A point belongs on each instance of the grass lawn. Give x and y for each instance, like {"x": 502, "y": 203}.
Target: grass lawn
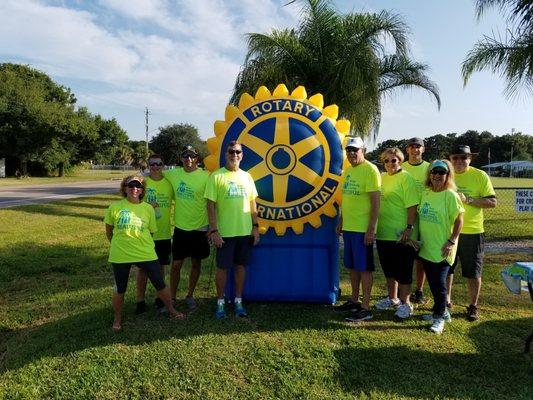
{"x": 56, "y": 341}
{"x": 75, "y": 176}
{"x": 498, "y": 182}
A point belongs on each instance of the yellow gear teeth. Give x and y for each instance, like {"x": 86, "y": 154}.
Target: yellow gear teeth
{"x": 262, "y": 93}
{"x": 299, "y": 93}
{"x": 273, "y": 116}
{"x": 331, "y": 111}
{"x": 211, "y": 162}
{"x": 212, "y": 144}
{"x": 281, "y": 91}
{"x": 220, "y": 128}
{"x": 343, "y": 126}
{"x": 317, "y": 100}
{"x": 231, "y": 113}
{"x": 245, "y": 101}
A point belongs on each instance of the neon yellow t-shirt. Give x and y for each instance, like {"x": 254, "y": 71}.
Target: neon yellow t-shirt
{"x": 232, "y": 191}
{"x": 189, "y": 188}
{"x": 419, "y": 172}
{"x": 437, "y": 213}
{"x": 160, "y": 192}
{"x": 474, "y": 183}
{"x": 133, "y": 225}
{"x": 398, "y": 193}
{"x": 358, "y": 182}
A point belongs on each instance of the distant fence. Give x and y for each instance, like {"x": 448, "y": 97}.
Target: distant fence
{"x": 510, "y": 224}
{"x": 99, "y": 167}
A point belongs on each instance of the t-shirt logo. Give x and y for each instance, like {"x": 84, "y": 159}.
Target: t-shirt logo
{"x": 235, "y": 190}
{"x": 184, "y": 192}
{"x": 351, "y": 187}
{"x": 151, "y": 195}
{"x": 428, "y": 213}
{"x": 124, "y": 218}
{"x": 128, "y": 220}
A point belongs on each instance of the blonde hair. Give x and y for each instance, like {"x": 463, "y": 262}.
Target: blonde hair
{"x": 394, "y": 151}
{"x": 128, "y": 178}
{"x": 450, "y": 177}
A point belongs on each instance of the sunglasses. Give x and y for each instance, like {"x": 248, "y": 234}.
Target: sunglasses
{"x": 391, "y": 161}
{"x": 233, "y": 152}
{"x": 135, "y": 184}
{"x": 439, "y": 172}
{"x": 156, "y": 164}
{"x": 460, "y": 158}
{"x": 191, "y": 156}
{"x": 352, "y": 150}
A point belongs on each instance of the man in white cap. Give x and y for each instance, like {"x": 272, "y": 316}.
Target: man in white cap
{"x": 418, "y": 168}
{"x": 359, "y": 215}
{"x": 476, "y": 192}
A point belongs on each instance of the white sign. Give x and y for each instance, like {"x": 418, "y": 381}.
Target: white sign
{"x": 524, "y": 200}
{"x": 2, "y": 167}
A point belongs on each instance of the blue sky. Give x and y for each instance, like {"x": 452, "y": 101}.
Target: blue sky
{"x": 179, "y": 58}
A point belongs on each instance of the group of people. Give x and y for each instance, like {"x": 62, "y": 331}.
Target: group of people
{"x": 217, "y": 209}
{"x": 418, "y": 213}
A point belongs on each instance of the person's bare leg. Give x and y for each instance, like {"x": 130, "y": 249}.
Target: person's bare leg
{"x": 196, "y": 265}
{"x": 164, "y": 295}
{"x": 240, "y": 273}
{"x": 141, "y": 280}
{"x": 162, "y": 269}
{"x": 367, "y": 279}
{"x": 449, "y": 284}
{"x": 420, "y": 275}
{"x": 474, "y": 288}
{"x": 220, "y": 282}
{"x": 404, "y": 293}
{"x": 175, "y": 277}
{"x": 392, "y": 288}
{"x": 118, "y": 303}
{"x": 355, "y": 281}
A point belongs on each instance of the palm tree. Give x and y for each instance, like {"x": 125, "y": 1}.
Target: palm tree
{"x": 342, "y": 56}
{"x": 512, "y": 58}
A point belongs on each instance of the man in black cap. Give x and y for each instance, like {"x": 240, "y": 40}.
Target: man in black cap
{"x": 418, "y": 168}
{"x": 190, "y": 221}
{"x": 476, "y": 192}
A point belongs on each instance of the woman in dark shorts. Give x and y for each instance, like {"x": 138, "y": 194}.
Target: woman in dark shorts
{"x": 129, "y": 225}
{"x": 396, "y": 226}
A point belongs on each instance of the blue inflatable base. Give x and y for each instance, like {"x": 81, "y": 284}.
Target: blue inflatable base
{"x": 294, "y": 268}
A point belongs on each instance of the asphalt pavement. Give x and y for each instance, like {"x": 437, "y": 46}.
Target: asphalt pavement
{"x": 12, "y": 196}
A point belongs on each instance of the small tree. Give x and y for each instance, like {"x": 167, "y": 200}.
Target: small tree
{"x": 172, "y": 138}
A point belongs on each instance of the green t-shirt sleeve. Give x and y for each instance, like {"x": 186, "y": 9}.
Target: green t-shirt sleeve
{"x": 152, "y": 223}
{"x": 487, "y": 190}
{"x": 374, "y": 180}
{"x": 455, "y": 206}
{"x": 253, "y": 189}
{"x": 109, "y": 218}
{"x": 412, "y": 196}
{"x": 210, "y": 189}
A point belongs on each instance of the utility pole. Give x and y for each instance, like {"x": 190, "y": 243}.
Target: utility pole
{"x": 146, "y": 113}
{"x": 511, "y": 163}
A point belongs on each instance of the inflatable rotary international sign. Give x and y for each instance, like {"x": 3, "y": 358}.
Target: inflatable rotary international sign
{"x": 292, "y": 147}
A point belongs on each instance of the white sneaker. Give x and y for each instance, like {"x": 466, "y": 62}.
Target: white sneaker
{"x": 429, "y": 317}
{"x": 404, "y": 311}
{"x": 437, "y": 326}
{"x": 387, "y": 303}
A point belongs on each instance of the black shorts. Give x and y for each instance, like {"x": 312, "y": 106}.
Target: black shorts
{"x": 162, "y": 249}
{"x": 396, "y": 259}
{"x": 470, "y": 251}
{"x": 235, "y": 251}
{"x": 152, "y": 269}
{"x": 192, "y": 244}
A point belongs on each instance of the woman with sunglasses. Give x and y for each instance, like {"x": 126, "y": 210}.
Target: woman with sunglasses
{"x": 129, "y": 225}
{"x": 440, "y": 215}
{"x": 399, "y": 200}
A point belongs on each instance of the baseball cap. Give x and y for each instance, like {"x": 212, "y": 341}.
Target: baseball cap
{"x": 355, "y": 142}
{"x": 439, "y": 164}
{"x": 416, "y": 140}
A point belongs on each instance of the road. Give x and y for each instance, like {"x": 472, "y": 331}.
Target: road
{"x": 12, "y": 196}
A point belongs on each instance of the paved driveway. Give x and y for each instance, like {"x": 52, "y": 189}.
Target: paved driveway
{"x": 12, "y": 196}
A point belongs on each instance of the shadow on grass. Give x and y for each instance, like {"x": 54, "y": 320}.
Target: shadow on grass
{"x": 62, "y": 209}
{"x": 403, "y": 371}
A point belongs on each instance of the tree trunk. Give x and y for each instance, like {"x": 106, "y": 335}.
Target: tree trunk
{"x": 61, "y": 170}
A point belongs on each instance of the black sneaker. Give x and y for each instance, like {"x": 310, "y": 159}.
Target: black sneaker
{"x": 141, "y": 307}
{"x": 418, "y": 298}
{"x": 158, "y": 303}
{"x": 472, "y": 313}
{"x": 349, "y": 305}
{"x": 359, "y": 315}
